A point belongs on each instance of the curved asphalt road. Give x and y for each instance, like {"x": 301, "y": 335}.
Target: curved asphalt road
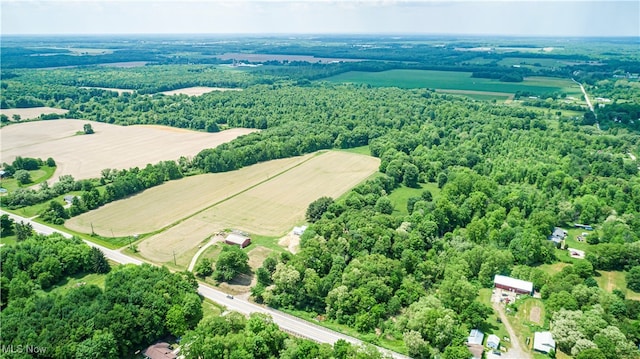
{"x": 288, "y": 323}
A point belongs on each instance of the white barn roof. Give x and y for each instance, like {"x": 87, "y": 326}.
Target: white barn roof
{"x": 513, "y": 283}
{"x": 543, "y": 342}
{"x": 236, "y": 239}
{"x": 475, "y": 337}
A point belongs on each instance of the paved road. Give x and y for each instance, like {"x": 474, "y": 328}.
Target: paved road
{"x": 286, "y": 322}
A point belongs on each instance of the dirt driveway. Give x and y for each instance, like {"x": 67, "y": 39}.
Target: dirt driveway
{"x": 516, "y": 351}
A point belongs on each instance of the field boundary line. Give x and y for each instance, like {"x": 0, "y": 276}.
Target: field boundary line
{"x": 320, "y": 153}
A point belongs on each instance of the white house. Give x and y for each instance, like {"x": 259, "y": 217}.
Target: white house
{"x": 493, "y": 341}
{"x": 475, "y": 337}
{"x": 543, "y": 342}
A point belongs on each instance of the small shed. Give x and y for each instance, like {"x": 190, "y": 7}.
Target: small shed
{"x": 237, "y": 239}
{"x": 543, "y": 342}
{"x": 298, "y": 231}
{"x": 513, "y": 285}
{"x": 493, "y": 341}
{"x": 475, "y": 337}
{"x": 159, "y": 351}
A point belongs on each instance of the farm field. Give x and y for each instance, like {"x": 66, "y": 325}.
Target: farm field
{"x": 610, "y": 280}
{"x": 31, "y": 113}
{"x": 451, "y": 80}
{"x": 111, "y": 146}
{"x": 163, "y": 205}
{"x": 270, "y": 207}
{"x": 198, "y": 90}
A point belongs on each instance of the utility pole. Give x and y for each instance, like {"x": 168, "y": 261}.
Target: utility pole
{"x": 174, "y": 258}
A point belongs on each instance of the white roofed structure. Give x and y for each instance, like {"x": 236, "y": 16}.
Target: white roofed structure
{"x": 543, "y": 342}
{"x": 512, "y": 284}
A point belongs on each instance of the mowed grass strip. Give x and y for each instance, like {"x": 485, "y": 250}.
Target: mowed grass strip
{"x": 163, "y": 205}
{"x": 454, "y": 80}
{"x": 270, "y": 208}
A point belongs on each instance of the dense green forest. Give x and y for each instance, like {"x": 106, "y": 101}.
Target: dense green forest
{"x": 488, "y": 183}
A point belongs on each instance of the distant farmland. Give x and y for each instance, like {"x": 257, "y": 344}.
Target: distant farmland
{"x": 267, "y": 199}
{"x": 452, "y": 80}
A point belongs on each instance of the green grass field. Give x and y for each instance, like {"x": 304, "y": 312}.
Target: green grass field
{"x": 615, "y": 280}
{"x": 451, "y": 80}
{"x": 78, "y": 280}
{"x": 37, "y": 176}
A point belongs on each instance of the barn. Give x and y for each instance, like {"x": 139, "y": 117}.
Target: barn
{"x": 513, "y": 285}
{"x": 238, "y": 240}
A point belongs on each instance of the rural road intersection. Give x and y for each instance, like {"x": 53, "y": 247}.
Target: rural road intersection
{"x": 287, "y": 323}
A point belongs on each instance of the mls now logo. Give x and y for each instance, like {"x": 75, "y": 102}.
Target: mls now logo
{"x": 23, "y": 349}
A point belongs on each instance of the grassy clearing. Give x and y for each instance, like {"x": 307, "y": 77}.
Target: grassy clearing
{"x": 520, "y": 319}
{"x": 266, "y": 242}
{"x": 37, "y": 176}
{"x": 615, "y": 280}
{"x": 400, "y": 196}
{"x": 552, "y": 269}
{"x": 385, "y": 342}
{"x": 257, "y": 255}
{"x": 78, "y": 280}
{"x": 452, "y": 80}
{"x": 9, "y": 240}
{"x": 211, "y": 309}
{"x": 492, "y": 326}
{"x": 362, "y": 150}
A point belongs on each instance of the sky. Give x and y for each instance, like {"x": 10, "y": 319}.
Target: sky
{"x": 457, "y": 17}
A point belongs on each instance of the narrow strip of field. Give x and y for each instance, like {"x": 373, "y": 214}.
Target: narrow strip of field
{"x": 31, "y": 113}
{"x": 455, "y": 80}
{"x": 269, "y": 208}
{"x": 198, "y": 91}
{"x": 163, "y": 205}
{"x": 119, "y": 91}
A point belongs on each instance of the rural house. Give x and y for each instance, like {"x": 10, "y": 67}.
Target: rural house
{"x": 513, "y": 284}
{"x": 237, "y": 239}
{"x": 159, "y": 351}
{"x": 543, "y": 342}
{"x": 475, "y": 337}
{"x": 493, "y": 342}
{"x": 558, "y": 235}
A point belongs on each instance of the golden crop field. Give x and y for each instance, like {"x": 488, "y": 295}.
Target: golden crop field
{"x": 269, "y": 208}
{"x": 163, "y": 205}
{"x": 111, "y": 146}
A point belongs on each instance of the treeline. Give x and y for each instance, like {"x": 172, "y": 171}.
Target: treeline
{"x": 138, "y": 306}
{"x": 117, "y": 184}
{"x": 39, "y": 262}
{"x": 235, "y": 336}
{"x": 503, "y": 76}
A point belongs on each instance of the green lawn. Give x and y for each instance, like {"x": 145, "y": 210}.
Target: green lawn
{"x": 552, "y": 269}
{"x": 211, "y": 309}
{"x": 615, "y": 280}
{"x": 37, "y": 176}
{"x": 492, "y": 326}
{"x": 401, "y": 195}
{"x": 77, "y": 280}
{"x": 454, "y": 80}
{"x": 362, "y": 150}
{"x": 8, "y": 240}
{"x": 385, "y": 342}
{"x": 265, "y": 241}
